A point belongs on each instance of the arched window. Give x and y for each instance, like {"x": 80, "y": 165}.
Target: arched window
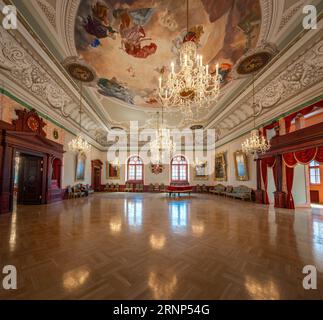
{"x": 315, "y": 174}
{"x": 135, "y": 169}
{"x": 179, "y": 169}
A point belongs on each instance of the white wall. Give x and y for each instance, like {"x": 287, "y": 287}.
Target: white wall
{"x": 299, "y": 186}
{"x": 69, "y": 163}
{"x": 164, "y": 177}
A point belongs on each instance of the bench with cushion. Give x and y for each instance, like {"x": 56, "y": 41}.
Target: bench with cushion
{"x": 172, "y": 189}
{"x": 240, "y": 192}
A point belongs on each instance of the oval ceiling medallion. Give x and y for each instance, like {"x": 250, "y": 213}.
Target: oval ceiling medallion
{"x": 254, "y": 62}
{"x": 196, "y": 127}
{"x": 79, "y": 70}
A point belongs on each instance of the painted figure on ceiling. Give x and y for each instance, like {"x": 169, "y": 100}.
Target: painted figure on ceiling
{"x": 133, "y": 34}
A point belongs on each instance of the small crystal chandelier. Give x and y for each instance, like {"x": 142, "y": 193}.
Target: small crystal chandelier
{"x": 256, "y": 143}
{"x": 191, "y": 87}
{"x": 79, "y": 144}
{"x": 162, "y": 144}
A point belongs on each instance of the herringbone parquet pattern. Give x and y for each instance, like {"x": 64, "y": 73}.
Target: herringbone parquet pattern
{"x": 146, "y": 246}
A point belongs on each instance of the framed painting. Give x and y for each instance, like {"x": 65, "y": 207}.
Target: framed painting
{"x": 80, "y": 166}
{"x": 220, "y": 167}
{"x": 241, "y": 166}
{"x": 112, "y": 171}
{"x": 200, "y": 171}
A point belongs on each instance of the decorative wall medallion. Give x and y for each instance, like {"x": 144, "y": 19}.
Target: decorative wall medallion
{"x": 32, "y": 123}
{"x": 253, "y": 63}
{"x": 79, "y": 70}
{"x": 156, "y": 168}
{"x": 55, "y": 134}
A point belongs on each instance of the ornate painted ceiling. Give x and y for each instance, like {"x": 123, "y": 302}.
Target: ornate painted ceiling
{"x": 130, "y": 42}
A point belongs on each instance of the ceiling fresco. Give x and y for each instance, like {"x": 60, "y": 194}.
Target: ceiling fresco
{"x": 130, "y": 43}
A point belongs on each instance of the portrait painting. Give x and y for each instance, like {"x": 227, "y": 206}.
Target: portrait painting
{"x": 112, "y": 171}
{"x": 241, "y": 166}
{"x": 220, "y": 167}
{"x": 80, "y": 166}
{"x": 201, "y": 171}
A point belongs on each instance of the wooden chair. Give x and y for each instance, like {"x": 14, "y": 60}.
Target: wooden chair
{"x": 116, "y": 187}
{"x": 198, "y": 188}
{"x": 127, "y": 187}
{"x": 204, "y": 188}
{"x": 151, "y": 187}
{"x": 107, "y": 186}
{"x": 156, "y": 187}
{"x": 162, "y": 187}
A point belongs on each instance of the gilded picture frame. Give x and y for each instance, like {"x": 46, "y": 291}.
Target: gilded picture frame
{"x": 220, "y": 167}
{"x": 112, "y": 171}
{"x": 241, "y": 166}
{"x": 80, "y": 167}
{"x": 201, "y": 171}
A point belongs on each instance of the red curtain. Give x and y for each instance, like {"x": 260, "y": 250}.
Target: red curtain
{"x": 265, "y": 178}
{"x": 319, "y": 155}
{"x": 305, "y": 156}
{"x": 289, "y": 185}
{"x": 289, "y": 159}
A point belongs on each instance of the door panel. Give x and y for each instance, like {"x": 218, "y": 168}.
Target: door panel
{"x": 30, "y": 180}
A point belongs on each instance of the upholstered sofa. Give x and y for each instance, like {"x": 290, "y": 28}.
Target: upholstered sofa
{"x": 240, "y": 192}
{"x": 217, "y": 189}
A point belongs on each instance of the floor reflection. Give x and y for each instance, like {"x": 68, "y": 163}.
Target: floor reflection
{"x": 133, "y": 212}
{"x": 75, "y": 278}
{"x": 157, "y": 242}
{"x": 163, "y": 287}
{"x": 259, "y": 290}
{"x": 179, "y": 214}
{"x": 13, "y": 232}
{"x": 115, "y": 224}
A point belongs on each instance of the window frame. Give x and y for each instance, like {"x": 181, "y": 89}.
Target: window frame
{"x": 179, "y": 166}
{"x": 136, "y": 165}
{"x": 314, "y": 165}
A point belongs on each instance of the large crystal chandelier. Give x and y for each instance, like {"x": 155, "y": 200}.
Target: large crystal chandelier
{"x": 79, "y": 144}
{"x": 163, "y": 145}
{"x": 189, "y": 85}
{"x": 256, "y": 143}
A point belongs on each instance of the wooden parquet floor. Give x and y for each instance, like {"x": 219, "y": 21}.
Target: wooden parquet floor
{"x": 146, "y": 246}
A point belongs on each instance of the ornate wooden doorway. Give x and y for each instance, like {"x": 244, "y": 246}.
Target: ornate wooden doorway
{"x": 30, "y": 180}
{"x": 96, "y": 174}
{"x": 27, "y": 137}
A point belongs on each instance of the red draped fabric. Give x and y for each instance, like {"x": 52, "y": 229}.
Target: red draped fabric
{"x": 289, "y": 185}
{"x": 289, "y": 159}
{"x": 266, "y": 162}
{"x": 319, "y": 155}
{"x": 265, "y": 179}
{"x": 269, "y": 127}
{"x": 305, "y": 156}
{"x": 275, "y": 176}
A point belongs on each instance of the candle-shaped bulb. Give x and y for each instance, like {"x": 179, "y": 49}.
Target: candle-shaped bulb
{"x": 160, "y": 82}
{"x": 201, "y": 60}
{"x": 217, "y": 69}
{"x": 185, "y": 60}
{"x": 207, "y": 69}
{"x": 172, "y": 66}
